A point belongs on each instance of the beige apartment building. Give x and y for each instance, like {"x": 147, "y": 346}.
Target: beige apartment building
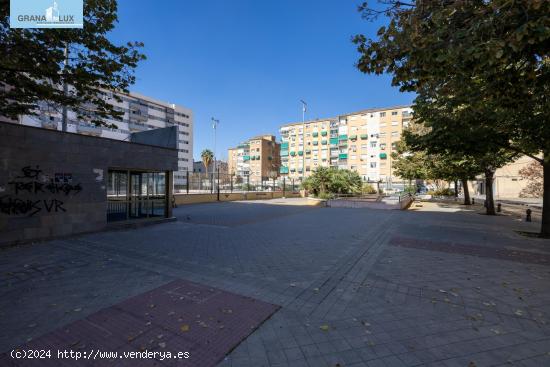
{"x": 361, "y": 141}
{"x": 508, "y": 183}
{"x": 258, "y": 158}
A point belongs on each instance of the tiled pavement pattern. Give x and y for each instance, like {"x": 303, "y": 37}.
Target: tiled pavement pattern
{"x": 179, "y": 316}
{"x": 348, "y": 297}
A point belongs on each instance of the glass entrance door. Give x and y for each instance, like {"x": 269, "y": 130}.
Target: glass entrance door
{"x": 147, "y": 194}
{"x": 144, "y": 198}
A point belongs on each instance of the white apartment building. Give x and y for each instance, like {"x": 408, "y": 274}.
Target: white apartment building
{"x": 140, "y": 113}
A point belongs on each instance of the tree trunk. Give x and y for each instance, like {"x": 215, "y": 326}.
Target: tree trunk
{"x": 466, "y": 191}
{"x": 489, "y": 201}
{"x": 456, "y": 188}
{"x": 545, "y": 227}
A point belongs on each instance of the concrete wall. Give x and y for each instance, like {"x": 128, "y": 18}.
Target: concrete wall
{"x": 54, "y": 183}
{"x": 182, "y": 199}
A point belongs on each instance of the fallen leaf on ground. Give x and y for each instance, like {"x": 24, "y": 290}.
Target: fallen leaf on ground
{"x": 324, "y": 327}
{"x": 184, "y": 328}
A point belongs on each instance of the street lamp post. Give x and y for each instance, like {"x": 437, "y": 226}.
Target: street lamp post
{"x": 304, "y": 108}
{"x": 215, "y": 123}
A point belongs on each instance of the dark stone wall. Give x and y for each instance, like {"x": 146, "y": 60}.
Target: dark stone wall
{"x": 54, "y": 184}
{"x": 166, "y": 137}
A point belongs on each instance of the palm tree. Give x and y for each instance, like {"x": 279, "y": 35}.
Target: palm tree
{"x": 207, "y": 156}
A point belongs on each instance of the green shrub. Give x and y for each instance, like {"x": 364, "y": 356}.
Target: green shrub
{"x": 368, "y": 189}
{"x": 442, "y": 192}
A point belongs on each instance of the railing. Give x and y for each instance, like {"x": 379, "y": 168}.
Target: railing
{"x": 210, "y": 183}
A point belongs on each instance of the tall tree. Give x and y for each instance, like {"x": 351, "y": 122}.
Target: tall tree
{"x": 32, "y": 70}
{"x": 534, "y": 177}
{"x": 207, "y": 157}
{"x": 488, "y": 57}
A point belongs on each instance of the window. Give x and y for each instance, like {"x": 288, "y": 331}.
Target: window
{"x": 394, "y": 113}
{"x": 382, "y": 114}
{"x": 373, "y": 144}
{"x": 395, "y": 133}
{"x": 372, "y": 164}
{"x": 383, "y": 124}
{"x": 394, "y": 123}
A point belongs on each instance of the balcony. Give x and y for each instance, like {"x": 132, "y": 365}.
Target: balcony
{"x": 284, "y": 146}
{"x": 136, "y": 126}
{"x": 284, "y": 153}
{"x": 91, "y": 130}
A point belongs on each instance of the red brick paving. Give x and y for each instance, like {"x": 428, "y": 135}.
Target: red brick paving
{"x": 473, "y": 250}
{"x": 180, "y": 316}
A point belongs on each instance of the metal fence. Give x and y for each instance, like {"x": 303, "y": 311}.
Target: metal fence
{"x": 203, "y": 183}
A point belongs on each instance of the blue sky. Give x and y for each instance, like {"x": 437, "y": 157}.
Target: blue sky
{"x": 249, "y": 62}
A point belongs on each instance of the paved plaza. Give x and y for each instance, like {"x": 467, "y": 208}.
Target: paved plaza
{"x": 437, "y": 285}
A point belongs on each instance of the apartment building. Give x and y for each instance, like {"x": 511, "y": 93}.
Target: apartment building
{"x": 361, "y": 141}
{"x": 140, "y": 113}
{"x": 258, "y": 157}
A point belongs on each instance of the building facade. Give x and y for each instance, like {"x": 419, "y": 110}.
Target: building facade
{"x": 508, "y": 182}
{"x": 98, "y": 182}
{"x": 198, "y": 167}
{"x": 258, "y": 157}
{"x": 141, "y": 113}
{"x": 361, "y": 141}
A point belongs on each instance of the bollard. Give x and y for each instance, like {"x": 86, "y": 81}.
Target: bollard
{"x": 499, "y": 207}
{"x": 528, "y": 216}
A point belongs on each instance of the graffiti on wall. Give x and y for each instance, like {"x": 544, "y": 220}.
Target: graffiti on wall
{"x": 31, "y": 181}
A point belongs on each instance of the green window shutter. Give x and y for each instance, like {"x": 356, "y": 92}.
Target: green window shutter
{"x": 315, "y": 134}
{"x": 323, "y": 133}
{"x": 383, "y": 156}
{"x": 293, "y": 153}
{"x": 343, "y": 156}
{"x": 353, "y": 137}
{"x": 300, "y": 152}
{"x": 343, "y": 137}
{"x": 364, "y": 136}
{"x": 324, "y": 142}
{"x": 315, "y": 143}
